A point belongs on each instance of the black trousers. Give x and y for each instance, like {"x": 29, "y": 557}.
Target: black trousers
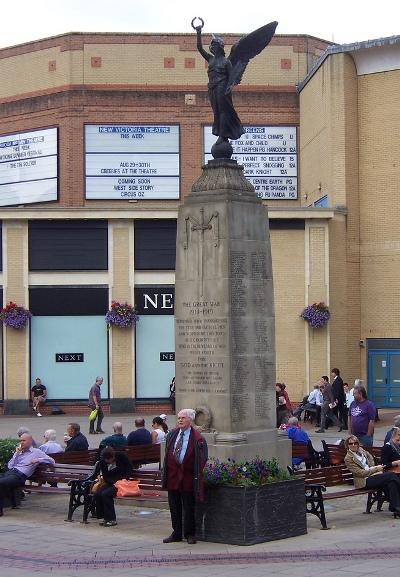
{"x": 9, "y": 481}
{"x": 326, "y": 412}
{"x": 100, "y": 416}
{"x": 104, "y": 499}
{"x": 182, "y": 507}
{"x": 390, "y": 482}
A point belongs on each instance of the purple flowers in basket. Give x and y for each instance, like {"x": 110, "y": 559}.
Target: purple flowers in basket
{"x": 121, "y": 315}
{"x": 14, "y": 316}
{"x": 317, "y": 315}
{"x": 243, "y": 474}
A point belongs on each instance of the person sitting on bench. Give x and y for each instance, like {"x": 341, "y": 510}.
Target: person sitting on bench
{"x": 391, "y": 450}
{"x": 21, "y": 466}
{"x": 370, "y": 476}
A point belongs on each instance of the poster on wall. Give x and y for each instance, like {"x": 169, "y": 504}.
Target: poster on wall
{"x": 28, "y": 167}
{"x": 269, "y": 157}
{"x": 129, "y": 162}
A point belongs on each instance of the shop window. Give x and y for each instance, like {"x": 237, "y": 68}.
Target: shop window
{"x": 1, "y": 247}
{"x": 68, "y": 245}
{"x": 69, "y": 339}
{"x": 155, "y": 244}
{"x": 321, "y": 202}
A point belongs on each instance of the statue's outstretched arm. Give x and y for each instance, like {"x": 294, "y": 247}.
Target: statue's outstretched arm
{"x": 200, "y": 48}
{"x": 198, "y": 29}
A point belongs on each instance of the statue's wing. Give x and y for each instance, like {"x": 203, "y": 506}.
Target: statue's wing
{"x": 245, "y": 49}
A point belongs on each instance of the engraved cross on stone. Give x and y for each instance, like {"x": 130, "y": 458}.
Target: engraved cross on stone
{"x": 202, "y": 225}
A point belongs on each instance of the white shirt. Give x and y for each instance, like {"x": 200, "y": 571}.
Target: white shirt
{"x": 349, "y": 398}
{"x": 312, "y": 397}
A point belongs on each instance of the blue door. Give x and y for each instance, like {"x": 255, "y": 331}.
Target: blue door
{"x": 384, "y": 378}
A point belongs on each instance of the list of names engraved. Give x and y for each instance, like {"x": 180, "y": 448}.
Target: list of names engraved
{"x": 202, "y": 344}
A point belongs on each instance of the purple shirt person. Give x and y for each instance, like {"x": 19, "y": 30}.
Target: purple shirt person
{"x": 362, "y": 417}
{"x": 21, "y": 466}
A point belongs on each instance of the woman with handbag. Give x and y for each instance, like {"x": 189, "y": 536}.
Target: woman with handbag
{"x": 112, "y": 467}
{"x": 367, "y": 474}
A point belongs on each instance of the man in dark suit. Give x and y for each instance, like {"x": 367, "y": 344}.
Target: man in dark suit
{"x": 185, "y": 456}
{"x": 339, "y": 397}
{"x": 77, "y": 441}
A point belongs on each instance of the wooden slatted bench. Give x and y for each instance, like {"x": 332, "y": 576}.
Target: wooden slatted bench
{"x": 335, "y": 454}
{"x": 150, "y": 482}
{"x": 137, "y": 454}
{"x": 306, "y": 452}
{"x": 69, "y": 477}
{"x": 317, "y": 480}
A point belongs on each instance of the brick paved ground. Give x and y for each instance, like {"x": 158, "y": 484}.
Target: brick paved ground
{"x": 35, "y": 539}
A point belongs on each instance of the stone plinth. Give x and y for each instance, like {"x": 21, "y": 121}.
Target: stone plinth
{"x": 225, "y": 343}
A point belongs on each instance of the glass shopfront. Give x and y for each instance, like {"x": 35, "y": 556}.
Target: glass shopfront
{"x": 69, "y": 340}
{"x": 155, "y": 341}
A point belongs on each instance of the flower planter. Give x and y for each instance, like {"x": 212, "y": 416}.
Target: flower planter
{"x": 249, "y": 515}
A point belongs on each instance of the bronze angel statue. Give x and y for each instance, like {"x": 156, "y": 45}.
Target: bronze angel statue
{"x": 225, "y": 72}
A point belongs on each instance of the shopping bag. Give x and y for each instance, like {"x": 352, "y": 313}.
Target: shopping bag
{"x": 126, "y": 488}
{"x": 93, "y": 415}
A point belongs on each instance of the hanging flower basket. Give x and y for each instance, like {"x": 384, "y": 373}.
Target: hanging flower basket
{"x": 14, "y": 316}
{"x": 121, "y": 315}
{"x": 317, "y": 315}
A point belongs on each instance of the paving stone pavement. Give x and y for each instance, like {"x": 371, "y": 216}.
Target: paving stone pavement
{"x": 35, "y": 539}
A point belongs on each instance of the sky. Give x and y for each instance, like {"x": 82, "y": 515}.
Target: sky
{"x": 341, "y": 21}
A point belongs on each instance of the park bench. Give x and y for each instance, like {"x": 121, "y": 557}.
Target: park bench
{"x": 338, "y": 476}
{"x": 307, "y": 453}
{"x": 137, "y": 454}
{"x": 68, "y": 478}
{"x": 335, "y": 454}
{"x": 150, "y": 485}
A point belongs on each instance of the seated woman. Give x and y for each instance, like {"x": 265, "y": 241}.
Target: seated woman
{"x": 391, "y": 450}
{"x": 112, "y": 467}
{"x": 158, "y": 433}
{"x": 370, "y": 476}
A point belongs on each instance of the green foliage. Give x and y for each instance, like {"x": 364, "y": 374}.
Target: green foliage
{"x": 244, "y": 473}
{"x": 7, "y": 448}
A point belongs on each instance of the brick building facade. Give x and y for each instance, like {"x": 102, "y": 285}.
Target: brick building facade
{"x": 68, "y": 258}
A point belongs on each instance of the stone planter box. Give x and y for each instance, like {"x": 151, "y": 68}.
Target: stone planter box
{"x": 249, "y": 515}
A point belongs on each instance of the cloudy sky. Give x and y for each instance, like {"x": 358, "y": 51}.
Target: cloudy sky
{"x": 342, "y": 21}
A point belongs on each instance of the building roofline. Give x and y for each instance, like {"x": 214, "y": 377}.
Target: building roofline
{"x": 81, "y": 34}
{"x": 348, "y": 48}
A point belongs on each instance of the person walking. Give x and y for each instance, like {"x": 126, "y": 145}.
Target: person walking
{"x": 339, "y": 397}
{"x": 95, "y": 403}
{"x": 327, "y": 406}
{"x": 186, "y": 454}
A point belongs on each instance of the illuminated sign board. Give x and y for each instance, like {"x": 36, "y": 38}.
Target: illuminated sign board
{"x": 132, "y": 161}
{"x": 28, "y": 167}
{"x": 269, "y": 157}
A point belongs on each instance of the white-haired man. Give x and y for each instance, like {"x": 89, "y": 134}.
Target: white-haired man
{"x": 185, "y": 456}
{"x": 21, "y": 466}
{"x": 50, "y": 445}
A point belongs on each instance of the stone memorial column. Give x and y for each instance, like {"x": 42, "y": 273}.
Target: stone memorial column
{"x": 224, "y": 311}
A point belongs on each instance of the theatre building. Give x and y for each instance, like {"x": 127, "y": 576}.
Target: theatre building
{"x": 101, "y": 138}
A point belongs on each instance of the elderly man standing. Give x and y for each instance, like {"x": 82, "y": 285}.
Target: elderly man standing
{"x": 21, "y": 466}
{"x": 186, "y": 454}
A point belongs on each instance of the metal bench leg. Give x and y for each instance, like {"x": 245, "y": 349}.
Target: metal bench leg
{"x": 315, "y": 503}
{"x": 76, "y": 498}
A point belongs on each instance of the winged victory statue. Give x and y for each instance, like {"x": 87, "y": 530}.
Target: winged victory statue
{"x": 226, "y": 72}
